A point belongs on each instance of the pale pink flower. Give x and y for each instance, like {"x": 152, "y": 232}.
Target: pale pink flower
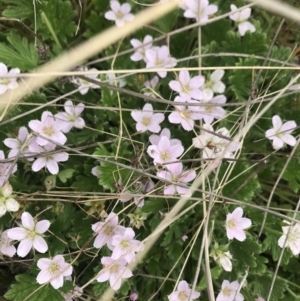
{"x": 212, "y": 112}
{"x": 281, "y": 133}
{"x": 48, "y": 127}
{"x": 159, "y": 57}
{"x": 164, "y": 151}
{"x": 154, "y": 139}
{"x": 114, "y": 271}
{"x": 119, "y": 13}
{"x": 236, "y": 224}
{"x": 30, "y": 235}
{"x": 140, "y": 48}
{"x": 7, "y": 201}
{"x": 176, "y": 174}
{"x": 114, "y": 81}
{"x": 50, "y": 161}
{"x": 214, "y": 84}
{"x": 229, "y": 292}
{"x": 240, "y": 18}
{"x": 19, "y": 144}
{"x": 71, "y": 117}
{"x": 107, "y": 230}
{"x": 259, "y": 299}
{"x": 183, "y": 293}
{"x": 184, "y": 237}
{"x": 134, "y": 296}
{"x": 145, "y": 187}
{"x": 83, "y": 84}
{"x": 6, "y": 169}
{"x": 186, "y": 86}
{"x": 185, "y": 115}
{"x": 150, "y": 85}
{"x": 199, "y": 10}
{"x": 291, "y": 238}
{"x": 95, "y": 171}
{"x": 147, "y": 120}
{"x": 125, "y": 246}
{"x": 53, "y": 271}
{"x": 6, "y": 247}
{"x": 224, "y": 259}
{"x": 7, "y": 83}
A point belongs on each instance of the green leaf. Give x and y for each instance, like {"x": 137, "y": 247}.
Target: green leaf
{"x": 166, "y": 23}
{"x": 292, "y": 175}
{"x": 215, "y": 274}
{"x": 19, "y": 9}
{"x": 19, "y": 54}
{"x": 50, "y": 182}
{"x": 27, "y": 285}
{"x": 66, "y": 174}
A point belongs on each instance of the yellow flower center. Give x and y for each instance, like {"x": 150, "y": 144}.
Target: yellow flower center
{"x": 48, "y": 131}
{"x": 53, "y": 268}
{"x": 165, "y": 156}
{"x": 182, "y": 296}
{"x": 109, "y": 230}
{"x": 4, "y": 81}
{"x": 185, "y": 114}
{"x": 231, "y": 224}
{"x": 31, "y": 234}
{"x": 124, "y": 244}
{"x": 146, "y": 121}
{"x": 119, "y": 15}
{"x": 114, "y": 268}
{"x": 226, "y": 292}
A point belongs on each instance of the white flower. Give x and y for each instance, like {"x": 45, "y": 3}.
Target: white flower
{"x": 183, "y": 293}
{"x": 71, "y": 117}
{"x": 214, "y": 84}
{"x": 6, "y": 247}
{"x": 154, "y": 139}
{"x": 199, "y": 10}
{"x": 164, "y": 151}
{"x": 119, "y": 13}
{"x": 229, "y": 292}
{"x": 48, "y": 127}
{"x": 224, "y": 259}
{"x": 236, "y": 224}
{"x": 113, "y": 81}
{"x": 185, "y": 115}
{"x": 53, "y": 271}
{"x": 159, "y": 57}
{"x": 281, "y": 133}
{"x": 83, "y": 84}
{"x": 147, "y": 120}
{"x": 50, "y": 161}
{"x": 8, "y": 82}
{"x": 95, "y": 171}
{"x": 150, "y": 85}
{"x": 125, "y": 246}
{"x": 292, "y": 239}
{"x": 6, "y": 169}
{"x": 107, "y": 230}
{"x": 141, "y": 48}
{"x": 7, "y": 201}
{"x": 114, "y": 271}
{"x": 240, "y": 18}
{"x": 188, "y": 87}
{"x": 30, "y": 235}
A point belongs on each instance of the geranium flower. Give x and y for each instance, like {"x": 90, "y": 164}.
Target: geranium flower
{"x": 176, "y": 174}
{"x": 50, "y": 161}
{"x": 114, "y": 271}
{"x": 48, "y": 127}
{"x": 8, "y": 83}
{"x": 199, "y": 10}
{"x": 236, "y": 224}
{"x": 125, "y": 246}
{"x": 119, "y": 13}
{"x": 6, "y": 169}
{"x": 53, "y": 271}
{"x": 140, "y": 48}
{"x": 185, "y": 115}
{"x": 150, "y": 85}
{"x": 154, "y": 139}
{"x": 281, "y": 133}
{"x": 291, "y": 234}
{"x": 71, "y": 117}
{"x": 147, "y": 120}
{"x": 183, "y": 293}
{"x": 83, "y": 84}
{"x": 164, "y": 151}
{"x": 240, "y": 18}
{"x": 214, "y": 84}
{"x": 6, "y": 245}
{"x": 19, "y": 144}
{"x": 7, "y": 201}
{"x": 210, "y": 112}
{"x": 114, "y": 81}
{"x": 186, "y": 86}
{"x": 30, "y": 235}
{"x": 224, "y": 259}
{"x": 229, "y": 292}
{"x": 159, "y": 57}
{"x": 107, "y": 230}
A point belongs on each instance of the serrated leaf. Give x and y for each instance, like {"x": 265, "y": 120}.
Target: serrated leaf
{"x": 292, "y": 175}
{"x": 27, "y": 285}
{"x": 19, "y": 9}
{"x": 65, "y": 174}
{"x": 166, "y": 23}
{"x": 20, "y": 53}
